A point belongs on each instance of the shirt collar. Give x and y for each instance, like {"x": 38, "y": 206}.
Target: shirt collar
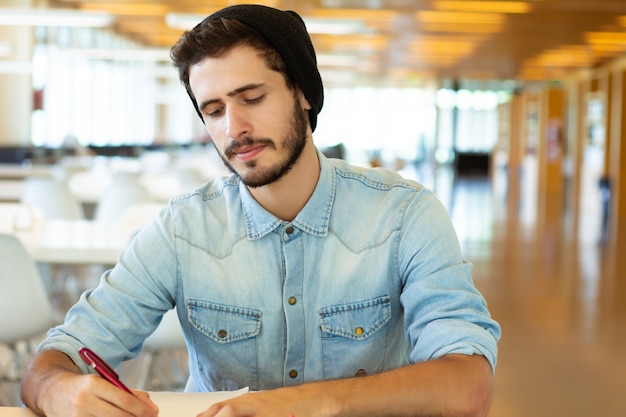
{"x": 314, "y": 216}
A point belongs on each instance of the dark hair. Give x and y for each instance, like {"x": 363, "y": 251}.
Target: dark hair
{"x": 216, "y": 37}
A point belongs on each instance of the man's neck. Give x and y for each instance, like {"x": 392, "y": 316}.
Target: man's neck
{"x": 286, "y": 197}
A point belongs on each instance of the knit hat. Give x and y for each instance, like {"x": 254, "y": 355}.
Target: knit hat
{"x": 287, "y": 32}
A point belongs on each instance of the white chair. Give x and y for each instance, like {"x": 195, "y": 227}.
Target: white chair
{"x": 121, "y": 194}
{"x": 52, "y": 197}
{"x": 55, "y": 201}
{"x": 90, "y": 185}
{"x": 25, "y": 310}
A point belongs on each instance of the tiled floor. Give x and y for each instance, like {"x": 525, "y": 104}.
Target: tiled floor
{"x": 559, "y": 294}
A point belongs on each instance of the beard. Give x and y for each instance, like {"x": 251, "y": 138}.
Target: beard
{"x": 294, "y": 143}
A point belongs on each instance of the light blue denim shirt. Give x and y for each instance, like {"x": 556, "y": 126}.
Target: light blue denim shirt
{"x": 367, "y": 278}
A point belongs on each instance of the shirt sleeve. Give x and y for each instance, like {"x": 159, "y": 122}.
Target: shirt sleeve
{"x": 444, "y": 312}
{"x": 127, "y": 305}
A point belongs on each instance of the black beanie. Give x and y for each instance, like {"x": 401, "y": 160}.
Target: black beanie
{"x": 287, "y": 32}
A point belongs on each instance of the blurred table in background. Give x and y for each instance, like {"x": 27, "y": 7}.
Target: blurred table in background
{"x": 72, "y": 242}
{"x": 65, "y": 242}
{"x": 10, "y": 189}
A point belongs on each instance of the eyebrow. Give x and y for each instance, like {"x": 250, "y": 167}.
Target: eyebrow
{"x": 233, "y": 93}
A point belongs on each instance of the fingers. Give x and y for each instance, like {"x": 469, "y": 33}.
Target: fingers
{"x": 100, "y": 398}
{"x": 145, "y": 397}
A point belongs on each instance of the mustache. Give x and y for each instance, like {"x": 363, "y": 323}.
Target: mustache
{"x": 235, "y": 145}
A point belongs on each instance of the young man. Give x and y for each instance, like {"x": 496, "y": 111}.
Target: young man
{"x": 327, "y": 289}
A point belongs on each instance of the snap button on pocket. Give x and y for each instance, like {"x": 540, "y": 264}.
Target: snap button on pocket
{"x": 222, "y": 334}
{"x": 358, "y": 331}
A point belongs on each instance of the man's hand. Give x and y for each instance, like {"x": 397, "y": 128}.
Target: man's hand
{"x": 53, "y": 387}
{"x": 293, "y": 401}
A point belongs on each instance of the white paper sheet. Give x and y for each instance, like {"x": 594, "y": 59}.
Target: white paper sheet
{"x": 189, "y": 404}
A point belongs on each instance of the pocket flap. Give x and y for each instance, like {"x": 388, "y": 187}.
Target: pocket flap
{"x": 356, "y": 320}
{"x": 223, "y": 323}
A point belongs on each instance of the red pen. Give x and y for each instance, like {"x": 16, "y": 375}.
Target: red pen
{"x": 104, "y": 369}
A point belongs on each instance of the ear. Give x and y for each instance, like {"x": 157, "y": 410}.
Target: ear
{"x": 304, "y": 102}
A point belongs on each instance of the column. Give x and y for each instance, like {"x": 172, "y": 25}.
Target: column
{"x": 550, "y": 200}
{"x": 617, "y": 158}
{"x": 16, "y": 100}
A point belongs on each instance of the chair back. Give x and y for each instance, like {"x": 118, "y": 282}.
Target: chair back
{"x": 52, "y": 197}
{"x": 25, "y": 308}
{"x": 117, "y": 198}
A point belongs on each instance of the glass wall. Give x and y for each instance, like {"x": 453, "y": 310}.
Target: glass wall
{"x": 97, "y": 101}
{"x": 95, "y": 97}
{"x": 377, "y": 125}
{"x": 468, "y": 121}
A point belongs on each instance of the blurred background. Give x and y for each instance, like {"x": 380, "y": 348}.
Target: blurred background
{"x": 513, "y": 112}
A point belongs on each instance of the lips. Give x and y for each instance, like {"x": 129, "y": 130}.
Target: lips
{"x": 246, "y": 153}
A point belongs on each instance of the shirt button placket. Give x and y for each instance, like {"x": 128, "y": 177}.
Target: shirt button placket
{"x": 293, "y": 248}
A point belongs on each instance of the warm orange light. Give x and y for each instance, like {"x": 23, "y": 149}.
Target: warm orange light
{"x": 616, "y": 48}
{"x": 566, "y": 56}
{"x": 354, "y": 42}
{"x": 461, "y": 27}
{"x": 609, "y": 38}
{"x": 357, "y": 14}
{"x": 431, "y": 16}
{"x": 483, "y": 6}
{"x": 443, "y": 46}
{"x": 440, "y": 52}
{"x": 129, "y": 9}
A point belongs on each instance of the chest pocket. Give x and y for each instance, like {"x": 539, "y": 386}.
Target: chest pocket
{"x": 225, "y": 343}
{"x": 222, "y": 323}
{"x": 354, "y": 337}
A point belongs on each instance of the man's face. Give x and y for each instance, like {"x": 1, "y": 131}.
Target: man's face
{"x": 259, "y": 125}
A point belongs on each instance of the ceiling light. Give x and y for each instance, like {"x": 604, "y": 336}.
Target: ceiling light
{"x": 461, "y": 27}
{"x": 128, "y": 9}
{"x": 605, "y": 38}
{"x": 333, "y": 26}
{"x": 314, "y": 25}
{"x": 53, "y": 17}
{"x": 355, "y": 14}
{"x": 429, "y": 16}
{"x": 483, "y": 6}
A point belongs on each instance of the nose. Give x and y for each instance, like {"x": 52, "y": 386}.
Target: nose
{"x": 237, "y": 122}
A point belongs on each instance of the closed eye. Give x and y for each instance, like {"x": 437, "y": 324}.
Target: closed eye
{"x": 255, "y": 100}
{"x": 214, "y": 112}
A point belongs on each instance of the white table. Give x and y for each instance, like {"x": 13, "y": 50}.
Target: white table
{"x": 75, "y": 242}
{"x": 11, "y": 190}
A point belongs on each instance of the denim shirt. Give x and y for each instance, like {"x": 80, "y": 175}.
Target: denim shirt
{"x": 368, "y": 277}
